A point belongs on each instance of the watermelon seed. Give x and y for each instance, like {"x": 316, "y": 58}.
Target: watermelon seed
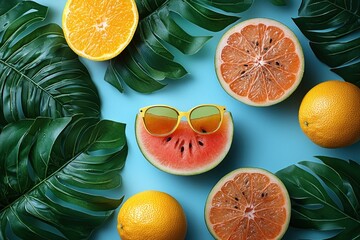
{"x": 270, "y": 40}
{"x": 168, "y": 139}
{"x": 237, "y": 199}
{"x": 177, "y": 143}
{"x": 236, "y": 207}
{"x": 182, "y": 149}
{"x": 190, "y": 148}
{"x": 201, "y": 143}
{"x": 277, "y": 63}
{"x": 182, "y": 145}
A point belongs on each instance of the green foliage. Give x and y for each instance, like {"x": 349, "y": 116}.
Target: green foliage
{"x": 325, "y": 196}
{"x": 59, "y": 163}
{"x": 278, "y": 2}
{"x": 148, "y": 59}
{"x": 333, "y": 30}
{"x": 40, "y": 75}
{"x": 59, "y": 178}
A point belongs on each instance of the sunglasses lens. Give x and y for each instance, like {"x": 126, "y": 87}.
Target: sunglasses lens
{"x": 160, "y": 120}
{"x": 205, "y": 119}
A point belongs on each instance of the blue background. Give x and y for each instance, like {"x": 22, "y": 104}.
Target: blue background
{"x": 269, "y": 137}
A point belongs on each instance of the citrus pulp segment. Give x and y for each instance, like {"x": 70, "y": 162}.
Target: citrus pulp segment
{"x": 248, "y": 203}
{"x": 99, "y": 30}
{"x": 259, "y": 62}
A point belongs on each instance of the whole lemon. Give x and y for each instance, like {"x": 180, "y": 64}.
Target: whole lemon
{"x": 152, "y": 215}
{"x": 329, "y": 114}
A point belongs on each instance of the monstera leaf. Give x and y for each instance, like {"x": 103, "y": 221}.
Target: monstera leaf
{"x": 278, "y": 2}
{"x": 149, "y": 59}
{"x": 6, "y": 5}
{"x": 325, "y": 196}
{"x": 39, "y": 74}
{"x": 333, "y": 30}
{"x": 59, "y": 178}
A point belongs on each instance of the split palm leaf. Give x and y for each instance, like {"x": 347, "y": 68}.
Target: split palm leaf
{"x": 59, "y": 178}
{"x": 333, "y": 30}
{"x": 325, "y": 196}
{"x": 149, "y": 59}
{"x": 39, "y": 74}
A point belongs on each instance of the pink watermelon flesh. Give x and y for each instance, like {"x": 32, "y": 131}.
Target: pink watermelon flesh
{"x": 186, "y": 152}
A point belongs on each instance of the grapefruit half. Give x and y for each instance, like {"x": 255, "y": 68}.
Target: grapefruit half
{"x": 248, "y": 203}
{"x": 259, "y": 62}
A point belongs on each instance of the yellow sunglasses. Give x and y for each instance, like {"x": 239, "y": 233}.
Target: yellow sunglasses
{"x": 162, "y": 120}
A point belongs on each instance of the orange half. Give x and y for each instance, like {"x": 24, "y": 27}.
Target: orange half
{"x": 99, "y": 30}
{"x": 259, "y": 62}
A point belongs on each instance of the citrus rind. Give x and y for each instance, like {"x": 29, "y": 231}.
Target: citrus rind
{"x": 229, "y": 177}
{"x": 288, "y": 33}
{"x": 100, "y": 26}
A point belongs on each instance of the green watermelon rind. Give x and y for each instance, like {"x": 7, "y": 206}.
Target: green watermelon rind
{"x": 230, "y": 176}
{"x": 188, "y": 172}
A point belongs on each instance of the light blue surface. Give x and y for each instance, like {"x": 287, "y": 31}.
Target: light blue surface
{"x": 269, "y": 137}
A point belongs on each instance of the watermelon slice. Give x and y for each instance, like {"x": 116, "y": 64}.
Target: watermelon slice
{"x": 185, "y": 152}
